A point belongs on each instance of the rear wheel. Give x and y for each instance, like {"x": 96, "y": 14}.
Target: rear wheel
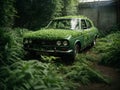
{"x": 76, "y": 49}
{"x": 94, "y": 42}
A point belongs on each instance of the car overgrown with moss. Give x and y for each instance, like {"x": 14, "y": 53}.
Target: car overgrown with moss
{"x": 63, "y": 37}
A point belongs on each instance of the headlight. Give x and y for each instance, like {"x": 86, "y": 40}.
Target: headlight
{"x": 65, "y": 43}
{"x": 58, "y": 43}
{"x": 26, "y": 41}
{"x": 30, "y": 41}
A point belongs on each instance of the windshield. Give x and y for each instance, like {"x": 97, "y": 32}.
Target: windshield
{"x": 64, "y": 24}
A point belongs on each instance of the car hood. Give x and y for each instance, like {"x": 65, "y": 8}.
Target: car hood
{"x": 52, "y": 34}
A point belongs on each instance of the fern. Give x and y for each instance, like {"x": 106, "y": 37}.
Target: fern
{"x": 82, "y": 72}
{"x": 11, "y": 45}
{"x": 33, "y": 75}
{"x": 109, "y": 49}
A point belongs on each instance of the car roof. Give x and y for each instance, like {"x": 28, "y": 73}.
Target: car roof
{"x": 69, "y": 17}
{"x": 72, "y": 17}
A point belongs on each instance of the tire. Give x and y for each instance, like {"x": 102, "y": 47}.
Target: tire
{"x": 93, "y": 43}
{"x": 69, "y": 59}
{"x": 76, "y": 49}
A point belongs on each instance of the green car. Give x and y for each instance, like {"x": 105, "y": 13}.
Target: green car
{"x": 63, "y": 37}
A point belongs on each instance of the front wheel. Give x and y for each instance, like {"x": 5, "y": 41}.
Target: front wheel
{"x": 71, "y": 58}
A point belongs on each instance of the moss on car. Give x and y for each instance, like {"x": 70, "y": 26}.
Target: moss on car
{"x": 51, "y": 34}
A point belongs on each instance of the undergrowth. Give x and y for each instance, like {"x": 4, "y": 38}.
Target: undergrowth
{"x": 11, "y": 45}
{"x": 108, "y": 49}
{"x": 82, "y": 71}
{"x": 32, "y": 75}
{"x": 48, "y": 73}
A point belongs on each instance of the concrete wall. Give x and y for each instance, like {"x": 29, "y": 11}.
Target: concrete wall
{"x": 104, "y": 14}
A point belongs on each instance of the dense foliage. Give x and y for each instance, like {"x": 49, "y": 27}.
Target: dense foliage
{"x": 36, "y": 75}
{"x": 17, "y": 74}
{"x": 113, "y": 29}
{"x": 31, "y": 75}
{"x": 69, "y": 7}
{"x": 34, "y": 14}
{"x": 11, "y": 45}
{"x": 7, "y": 13}
{"x": 109, "y": 49}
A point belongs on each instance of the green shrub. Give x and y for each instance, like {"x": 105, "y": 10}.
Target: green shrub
{"x": 34, "y": 14}
{"x": 31, "y": 75}
{"x": 82, "y": 72}
{"x": 115, "y": 28}
{"x": 11, "y": 45}
{"x": 7, "y": 13}
{"x": 112, "y": 58}
{"x": 16, "y": 74}
{"x": 70, "y": 7}
{"x": 109, "y": 49}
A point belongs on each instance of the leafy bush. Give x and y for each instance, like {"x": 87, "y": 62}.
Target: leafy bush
{"x": 113, "y": 29}
{"x": 70, "y": 7}
{"x": 40, "y": 12}
{"x": 82, "y": 72}
{"x": 34, "y": 75}
{"x": 10, "y": 45}
{"x": 7, "y": 13}
{"x": 31, "y": 75}
{"x": 109, "y": 49}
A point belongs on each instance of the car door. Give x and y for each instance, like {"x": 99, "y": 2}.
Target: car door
{"x": 85, "y": 32}
{"x": 90, "y": 30}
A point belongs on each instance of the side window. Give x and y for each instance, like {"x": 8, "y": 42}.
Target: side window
{"x": 89, "y": 25}
{"x": 75, "y": 24}
{"x": 83, "y": 24}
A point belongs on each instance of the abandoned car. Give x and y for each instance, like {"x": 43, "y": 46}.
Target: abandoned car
{"x": 63, "y": 37}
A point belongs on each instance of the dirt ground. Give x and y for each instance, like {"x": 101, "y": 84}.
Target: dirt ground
{"x": 111, "y": 73}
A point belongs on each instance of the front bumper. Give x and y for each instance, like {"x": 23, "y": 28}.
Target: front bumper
{"x": 57, "y": 51}
{"x": 51, "y": 52}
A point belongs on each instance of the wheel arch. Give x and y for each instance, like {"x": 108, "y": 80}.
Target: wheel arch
{"x": 78, "y": 43}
